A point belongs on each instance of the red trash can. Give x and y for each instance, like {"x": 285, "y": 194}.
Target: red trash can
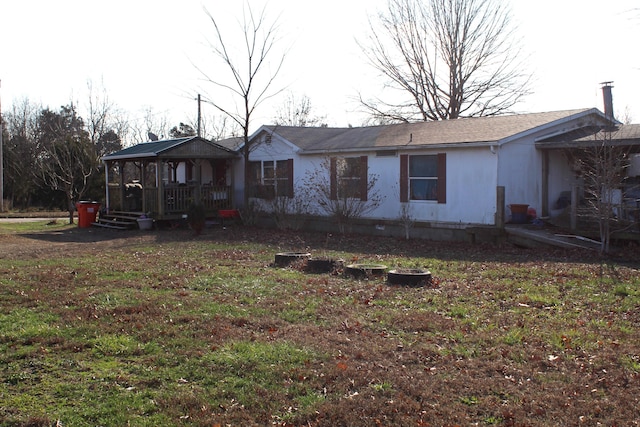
{"x": 87, "y": 212}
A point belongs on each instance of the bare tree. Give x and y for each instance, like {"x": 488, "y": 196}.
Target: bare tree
{"x": 103, "y": 121}
{"x": 445, "y": 59}
{"x": 215, "y": 127}
{"x": 151, "y": 124}
{"x": 250, "y": 73}
{"x": 297, "y": 112}
{"x": 602, "y": 165}
{"x": 182, "y": 130}
{"x": 19, "y": 152}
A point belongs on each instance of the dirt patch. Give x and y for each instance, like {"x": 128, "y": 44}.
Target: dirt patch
{"x": 73, "y": 240}
{"x": 47, "y": 243}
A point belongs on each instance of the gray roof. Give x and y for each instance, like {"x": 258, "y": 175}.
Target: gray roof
{"x": 408, "y": 135}
{"x": 624, "y": 135}
{"x": 231, "y": 143}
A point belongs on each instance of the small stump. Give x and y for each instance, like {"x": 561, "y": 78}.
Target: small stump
{"x": 283, "y": 259}
{"x": 360, "y": 271}
{"x": 409, "y": 277}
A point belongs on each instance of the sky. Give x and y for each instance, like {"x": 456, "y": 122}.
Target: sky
{"x": 149, "y": 54}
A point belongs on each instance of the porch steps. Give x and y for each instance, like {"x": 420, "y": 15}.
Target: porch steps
{"x": 118, "y": 220}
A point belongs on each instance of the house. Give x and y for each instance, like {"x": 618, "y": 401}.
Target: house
{"x": 451, "y": 176}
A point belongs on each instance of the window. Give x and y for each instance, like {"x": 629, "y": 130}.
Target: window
{"x": 272, "y": 178}
{"x": 423, "y": 177}
{"x": 349, "y": 177}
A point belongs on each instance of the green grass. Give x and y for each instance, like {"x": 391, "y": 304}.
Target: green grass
{"x": 61, "y": 224}
{"x": 205, "y": 332}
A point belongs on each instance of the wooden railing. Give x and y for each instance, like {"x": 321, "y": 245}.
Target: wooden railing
{"x": 215, "y": 198}
{"x": 176, "y": 199}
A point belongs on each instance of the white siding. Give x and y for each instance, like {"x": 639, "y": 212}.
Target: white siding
{"x": 473, "y": 174}
{"x": 471, "y": 186}
{"x": 561, "y": 178}
{"x": 520, "y": 172}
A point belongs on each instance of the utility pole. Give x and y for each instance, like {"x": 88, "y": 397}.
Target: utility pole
{"x": 199, "y": 117}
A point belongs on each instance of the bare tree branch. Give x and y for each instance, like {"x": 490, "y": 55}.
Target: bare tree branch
{"x": 445, "y": 59}
{"x": 603, "y": 168}
{"x": 296, "y": 112}
{"x": 250, "y": 74}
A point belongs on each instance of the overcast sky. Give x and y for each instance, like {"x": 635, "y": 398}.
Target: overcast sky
{"x": 144, "y": 53}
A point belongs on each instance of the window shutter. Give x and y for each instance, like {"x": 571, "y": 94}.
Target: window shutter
{"x": 404, "y": 178}
{"x": 364, "y": 175}
{"x": 442, "y": 178}
{"x": 290, "y": 177}
{"x": 333, "y": 178}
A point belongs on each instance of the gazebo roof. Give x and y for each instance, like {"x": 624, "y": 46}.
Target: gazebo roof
{"x": 192, "y": 147}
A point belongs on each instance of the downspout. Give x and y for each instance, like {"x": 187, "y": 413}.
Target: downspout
{"x": 160, "y": 188}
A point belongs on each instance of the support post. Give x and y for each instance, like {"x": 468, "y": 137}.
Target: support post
{"x": 122, "y": 166}
{"x": 143, "y": 181}
{"x": 574, "y": 208}
{"x": 545, "y": 183}
{"x": 106, "y": 186}
{"x": 160, "y": 187}
{"x": 500, "y": 207}
{"x": 197, "y": 165}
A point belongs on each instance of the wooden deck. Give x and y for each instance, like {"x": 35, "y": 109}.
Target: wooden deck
{"x": 530, "y": 236}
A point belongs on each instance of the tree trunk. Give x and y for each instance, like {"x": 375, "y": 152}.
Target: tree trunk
{"x": 71, "y": 207}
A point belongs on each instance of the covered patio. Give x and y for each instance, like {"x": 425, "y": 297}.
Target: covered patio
{"x": 604, "y": 158}
{"x": 163, "y": 178}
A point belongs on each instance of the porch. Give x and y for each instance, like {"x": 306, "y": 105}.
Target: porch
{"x": 163, "y": 178}
{"x": 170, "y": 200}
{"x": 591, "y": 177}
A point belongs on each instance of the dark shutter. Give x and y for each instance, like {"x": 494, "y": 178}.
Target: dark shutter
{"x": 404, "y": 178}
{"x": 442, "y": 178}
{"x": 364, "y": 176}
{"x": 290, "y": 176}
{"x": 333, "y": 178}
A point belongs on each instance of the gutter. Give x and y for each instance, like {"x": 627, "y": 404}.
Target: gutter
{"x": 483, "y": 144}
{"x": 136, "y": 156}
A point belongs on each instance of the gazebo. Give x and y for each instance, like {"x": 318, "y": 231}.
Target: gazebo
{"x": 162, "y": 178}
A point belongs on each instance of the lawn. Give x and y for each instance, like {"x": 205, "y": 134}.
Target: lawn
{"x": 166, "y": 328}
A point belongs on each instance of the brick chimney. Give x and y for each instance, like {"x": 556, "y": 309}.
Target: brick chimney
{"x": 607, "y": 98}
